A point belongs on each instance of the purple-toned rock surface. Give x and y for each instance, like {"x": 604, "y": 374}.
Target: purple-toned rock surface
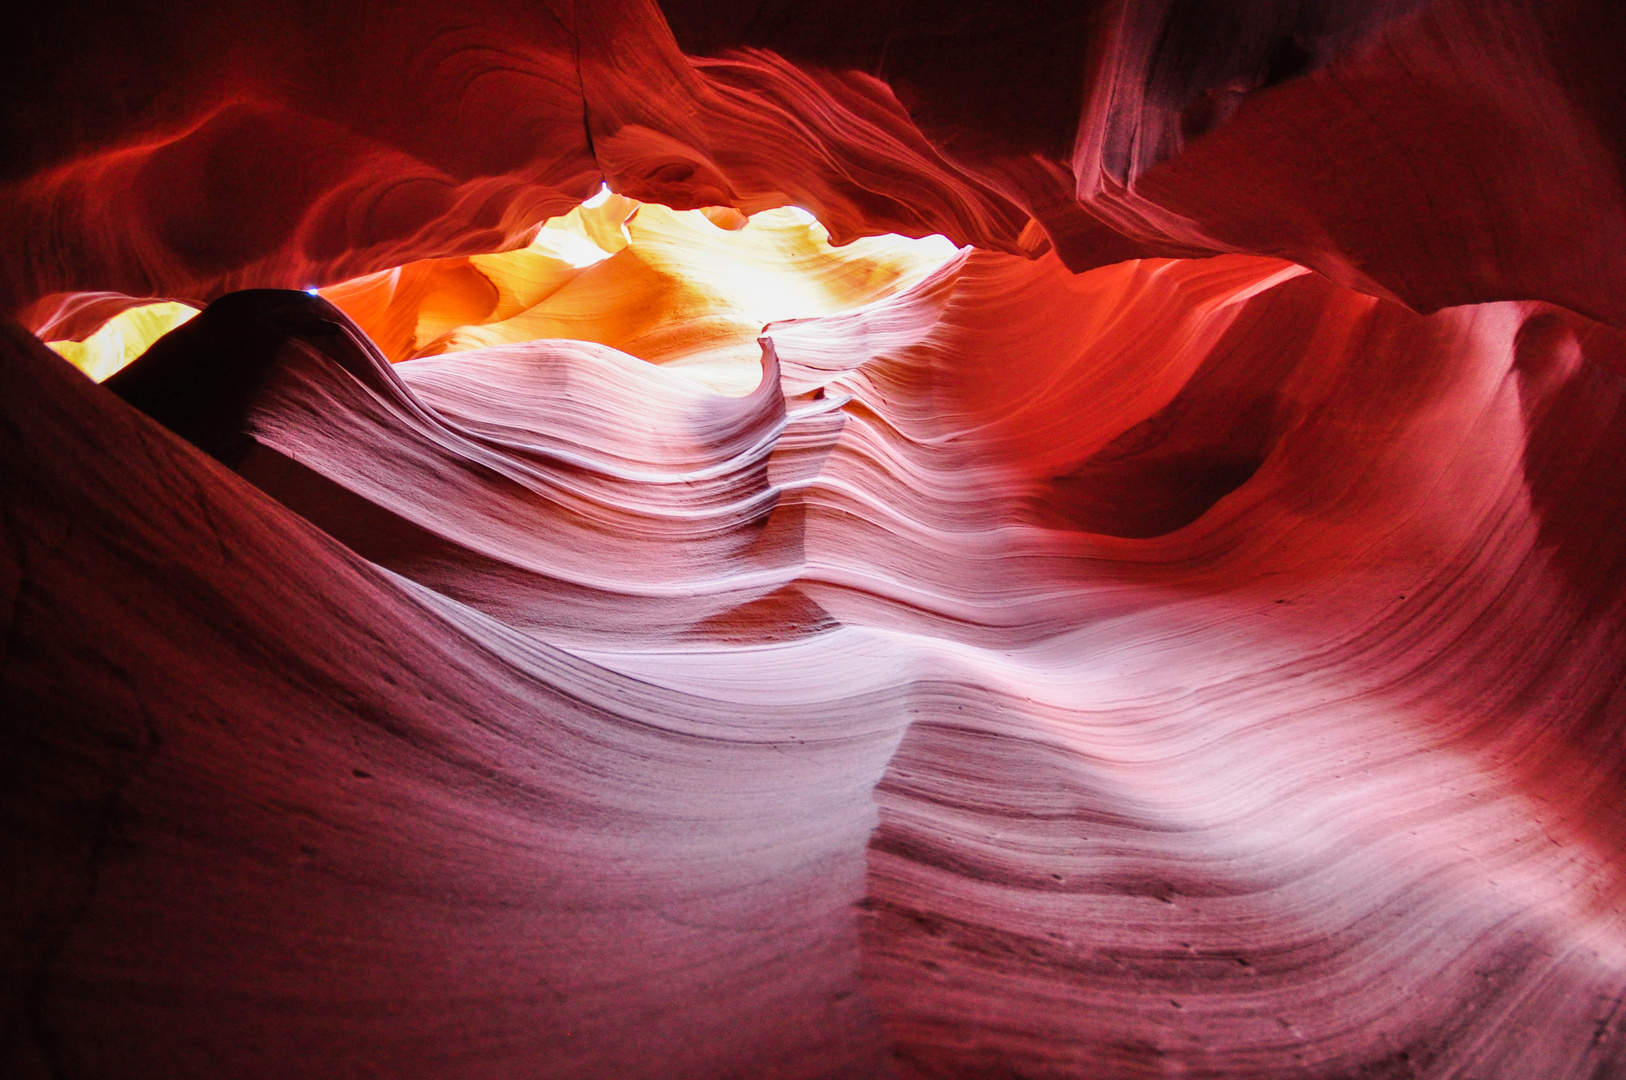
{"x": 1110, "y": 650}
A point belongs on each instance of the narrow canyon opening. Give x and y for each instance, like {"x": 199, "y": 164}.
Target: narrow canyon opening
{"x": 668, "y": 540}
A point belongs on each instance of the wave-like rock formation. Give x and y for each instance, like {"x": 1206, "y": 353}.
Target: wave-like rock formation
{"x": 1440, "y": 153}
{"x": 688, "y": 291}
{"x": 503, "y": 636}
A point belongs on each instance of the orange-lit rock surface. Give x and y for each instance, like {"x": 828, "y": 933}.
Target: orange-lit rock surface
{"x": 672, "y": 288}
{"x": 1400, "y": 147}
{"x": 514, "y": 637}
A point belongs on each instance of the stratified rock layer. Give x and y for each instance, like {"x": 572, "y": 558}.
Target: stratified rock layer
{"x": 1442, "y": 153}
{"x": 1049, "y": 659}
{"x": 1299, "y": 757}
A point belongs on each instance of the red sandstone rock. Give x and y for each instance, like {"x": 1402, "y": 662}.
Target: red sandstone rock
{"x": 1202, "y": 667}
{"x": 1399, "y": 151}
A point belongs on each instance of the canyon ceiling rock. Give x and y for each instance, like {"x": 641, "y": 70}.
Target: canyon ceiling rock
{"x": 1160, "y": 613}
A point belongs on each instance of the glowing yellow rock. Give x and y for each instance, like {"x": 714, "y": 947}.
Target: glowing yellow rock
{"x": 123, "y": 338}
{"x": 687, "y": 289}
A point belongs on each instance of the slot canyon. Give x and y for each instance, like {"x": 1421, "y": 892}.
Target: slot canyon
{"x": 716, "y": 539}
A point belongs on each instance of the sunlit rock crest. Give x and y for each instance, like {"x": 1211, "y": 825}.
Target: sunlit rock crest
{"x": 525, "y": 637}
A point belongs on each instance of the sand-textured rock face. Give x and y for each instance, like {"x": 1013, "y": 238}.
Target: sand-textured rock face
{"x": 1171, "y": 623}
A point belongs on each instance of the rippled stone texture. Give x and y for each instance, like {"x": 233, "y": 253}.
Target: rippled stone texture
{"x": 671, "y": 647}
{"x": 675, "y": 289}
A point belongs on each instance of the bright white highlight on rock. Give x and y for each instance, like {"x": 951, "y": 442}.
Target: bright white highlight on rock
{"x": 600, "y": 199}
{"x": 570, "y": 247}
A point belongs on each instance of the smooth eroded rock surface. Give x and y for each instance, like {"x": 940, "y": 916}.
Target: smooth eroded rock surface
{"x": 1169, "y": 624}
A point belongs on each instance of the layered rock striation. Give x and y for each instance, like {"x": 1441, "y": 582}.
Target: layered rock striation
{"x": 505, "y": 637}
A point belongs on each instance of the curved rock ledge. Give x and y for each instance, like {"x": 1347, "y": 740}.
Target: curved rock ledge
{"x": 504, "y": 636}
{"x": 1402, "y": 148}
{"x": 1303, "y": 758}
